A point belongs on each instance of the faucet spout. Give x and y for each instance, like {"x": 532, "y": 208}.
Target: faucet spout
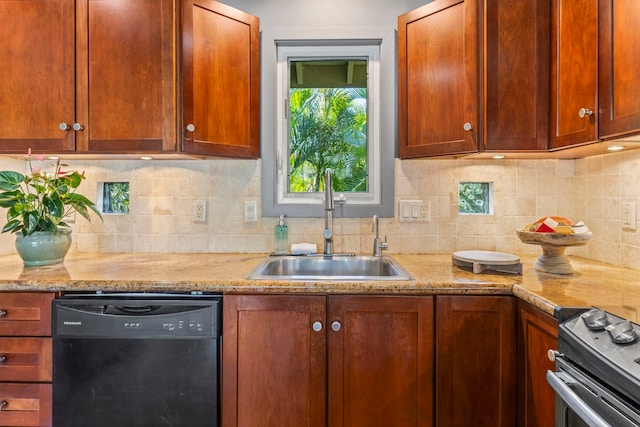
{"x": 328, "y": 212}
{"x": 378, "y": 245}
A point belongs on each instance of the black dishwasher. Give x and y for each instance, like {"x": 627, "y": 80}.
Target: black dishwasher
{"x": 136, "y": 360}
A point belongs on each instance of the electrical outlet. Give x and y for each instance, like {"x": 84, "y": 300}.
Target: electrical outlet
{"x": 199, "y": 211}
{"x": 250, "y": 211}
{"x": 70, "y": 218}
{"x": 629, "y": 219}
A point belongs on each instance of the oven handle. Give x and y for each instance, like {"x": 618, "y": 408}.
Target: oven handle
{"x": 584, "y": 411}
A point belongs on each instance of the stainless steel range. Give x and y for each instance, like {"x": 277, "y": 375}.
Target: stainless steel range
{"x": 597, "y": 378}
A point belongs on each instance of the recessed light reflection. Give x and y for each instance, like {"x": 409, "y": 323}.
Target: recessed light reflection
{"x": 146, "y": 158}
{"x": 498, "y": 157}
{"x": 615, "y": 147}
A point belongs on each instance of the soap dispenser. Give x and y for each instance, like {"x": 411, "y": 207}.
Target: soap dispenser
{"x": 281, "y": 237}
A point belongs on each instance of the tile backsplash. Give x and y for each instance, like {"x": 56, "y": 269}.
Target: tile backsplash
{"x": 162, "y": 193}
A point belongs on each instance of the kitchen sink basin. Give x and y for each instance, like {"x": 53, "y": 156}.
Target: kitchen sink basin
{"x": 334, "y": 267}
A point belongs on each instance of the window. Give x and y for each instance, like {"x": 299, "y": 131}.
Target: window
{"x": 475, "y": 198}
{"x": 328, "y": 116}
{"x": 115, "y": 197}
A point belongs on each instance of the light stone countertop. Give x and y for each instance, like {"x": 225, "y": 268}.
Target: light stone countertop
{"x": 593, "y": 284}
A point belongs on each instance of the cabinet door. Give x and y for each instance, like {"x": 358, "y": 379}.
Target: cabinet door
{"x": 475, "y": 361}
{"x": 380, "y": 361}
{"x": 438, "y": 75}
{"x": 221, "y": 74}
{"x": 36, "y": 71}
{"x": 126, "y": 76}
{"x": 516, "y": 95}
{"x": 274, "y": 361}
{"x": 537, "y": 333}
{"x": 619, "y": 74}
{"x": 574, "y": 67}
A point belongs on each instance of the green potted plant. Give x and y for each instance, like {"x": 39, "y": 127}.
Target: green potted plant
{"x": 37, "y": 204}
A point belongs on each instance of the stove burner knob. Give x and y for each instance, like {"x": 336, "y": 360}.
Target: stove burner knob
{"x": 595, "y": 319}
{"x": 552, "y": 355}
{"x": 622, "y": 333}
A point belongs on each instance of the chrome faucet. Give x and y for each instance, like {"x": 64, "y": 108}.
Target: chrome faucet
{"x": 328, "y": 213}
{"x": 378, "y": 245}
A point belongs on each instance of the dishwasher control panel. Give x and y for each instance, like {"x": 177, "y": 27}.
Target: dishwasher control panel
{"x": 136, "y": 318}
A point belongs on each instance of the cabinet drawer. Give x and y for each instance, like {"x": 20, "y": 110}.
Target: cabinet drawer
{"x": 25, "y": 405}
{"x": 25, "y": 313}
{"x": 25, "y": 359}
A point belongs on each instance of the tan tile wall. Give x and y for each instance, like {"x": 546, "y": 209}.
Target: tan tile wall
{"x": 162, "y": 193}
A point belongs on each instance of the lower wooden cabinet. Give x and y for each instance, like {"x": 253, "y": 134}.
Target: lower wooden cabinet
{"x": 537, "y": 333}
{"x": 475, "y": 361}
{"x": 25, "y": 405}
{"x": 25, "y": 359}
{"x": 336, "y": 360}
{"x": 345, "y": 360}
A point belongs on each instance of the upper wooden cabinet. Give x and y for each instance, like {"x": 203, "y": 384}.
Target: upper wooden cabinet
{"x": 438, "y": 65}
{"x": 101, "y": 77}
{"x": 126, "y": 76}
{"x": 465, "y": 86}
{"x": 516, "y": 89}
{"x": 574, "y": 71}
{"x": 88, "y": 76}
{"x": 619, "y": 73}
{"x": 221, "y": 79}
{"x": 37, "y": 74}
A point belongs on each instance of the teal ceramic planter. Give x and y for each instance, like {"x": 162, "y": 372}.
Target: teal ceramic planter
{"x": 43, "y": 247}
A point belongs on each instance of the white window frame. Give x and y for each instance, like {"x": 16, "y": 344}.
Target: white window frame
{"x": 358, "y": 50}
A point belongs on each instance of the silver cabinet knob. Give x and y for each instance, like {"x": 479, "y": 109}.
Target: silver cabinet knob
{"x": 584, "y": 112}
{"x": 467, "y": 126}
{"x": 78, "y": 127}
{"x": 3, "y": 404}
{"x": 3, "y": 313}
{"x": 3, "y": 358}
{"x": 317, "y": 326}
{"x": 553, "y": 354}
{"x": 336, "y": 326}
{"x": 190, "y": 127}
{"x": 64, "y": 126}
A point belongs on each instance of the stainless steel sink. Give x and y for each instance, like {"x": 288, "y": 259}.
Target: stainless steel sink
{"x": 335, "y": 267}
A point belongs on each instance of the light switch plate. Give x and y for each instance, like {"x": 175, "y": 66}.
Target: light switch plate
{"x": 250, "y": 211}
{"x": 414, "y": 211}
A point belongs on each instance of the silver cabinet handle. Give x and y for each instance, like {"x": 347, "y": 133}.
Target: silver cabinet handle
{"x": 582, "y": 409}
{"x": 190, "y": 127}
{"x": 317, "y": 326}
{"x": 336, "y": 326}
{"x": 3, "y": 404}
{"x": 584, "y": 112}
{"x": 78, "y": 127}
{"x": 467, "y": 126}
{"x": 3, "y": 313}
{"x": 3, "y": 358}
{"x": 64, "y": 126}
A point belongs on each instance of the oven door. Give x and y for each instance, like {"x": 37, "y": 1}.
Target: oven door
{"x": 582, "y": 401}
